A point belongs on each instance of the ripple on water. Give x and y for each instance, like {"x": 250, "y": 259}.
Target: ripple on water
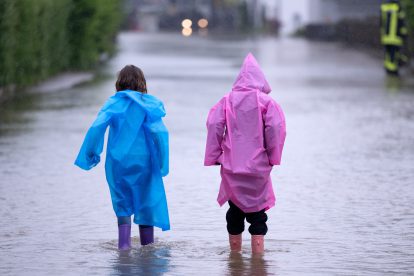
{"x": 345, "y": 194}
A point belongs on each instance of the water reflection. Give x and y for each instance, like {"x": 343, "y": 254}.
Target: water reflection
{"x": 393, "y": 84}
{"x": 349, "y": 149}
{"x": 14, "y": 116}
{"x": 253, "y": 265}
{"x": 149, "y": 260}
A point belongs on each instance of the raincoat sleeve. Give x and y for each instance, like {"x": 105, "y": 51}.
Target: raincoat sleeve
{"x": 274, "y": 132}
{"x": 216, "y": 123}
{"x": 159, "y": 135}
{"x": 89, "y": 154}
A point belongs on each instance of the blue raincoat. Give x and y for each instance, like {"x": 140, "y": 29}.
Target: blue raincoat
{"x": 137, "y": 155}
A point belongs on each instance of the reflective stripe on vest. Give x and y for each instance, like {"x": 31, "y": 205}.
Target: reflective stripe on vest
{"x": 389, "y": 17}
{"x": 391, "y": 65}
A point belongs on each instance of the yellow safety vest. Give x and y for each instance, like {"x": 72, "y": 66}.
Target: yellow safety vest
{"x": 390, "y": 13}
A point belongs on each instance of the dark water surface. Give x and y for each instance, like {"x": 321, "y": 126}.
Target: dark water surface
{"x": 345, "y": 191}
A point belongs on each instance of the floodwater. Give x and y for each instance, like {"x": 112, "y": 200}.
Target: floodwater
{"x": 345, "y": 190}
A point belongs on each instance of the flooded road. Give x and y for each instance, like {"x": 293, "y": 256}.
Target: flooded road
{"x": 345, "y": 190}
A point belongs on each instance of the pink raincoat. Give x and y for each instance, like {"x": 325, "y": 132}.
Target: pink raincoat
{"x": 246, "y": 134}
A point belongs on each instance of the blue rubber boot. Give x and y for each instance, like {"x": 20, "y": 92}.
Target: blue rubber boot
{"x": 146, "y": 234}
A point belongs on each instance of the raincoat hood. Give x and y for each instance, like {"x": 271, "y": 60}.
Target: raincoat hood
{"x": 152, "y": 106}
{"x": 251, "y": 77}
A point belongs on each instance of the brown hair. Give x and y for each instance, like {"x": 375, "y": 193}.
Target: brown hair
{"x": 132, "y": 78}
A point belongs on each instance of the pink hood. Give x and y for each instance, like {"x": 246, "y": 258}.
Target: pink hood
{"x": 246, "y": 134}
{"x": 251, "y": 77}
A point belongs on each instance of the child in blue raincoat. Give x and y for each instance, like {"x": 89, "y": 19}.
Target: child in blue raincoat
{"x": 137, "y": 156}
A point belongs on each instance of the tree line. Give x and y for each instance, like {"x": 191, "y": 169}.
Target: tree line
{"x": 39, "y": 38}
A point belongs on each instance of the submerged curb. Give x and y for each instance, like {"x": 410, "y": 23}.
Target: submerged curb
{"x": 61, "y": 81}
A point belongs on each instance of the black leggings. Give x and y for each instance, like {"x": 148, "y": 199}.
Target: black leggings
{"x": 127, "y": 220}
{"x": 235, "y": 221}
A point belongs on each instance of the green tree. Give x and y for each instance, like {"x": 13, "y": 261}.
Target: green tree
{"x": 93, "y": 26}
{"x": 39, "y": 38}
{"x": 8, "y": 41}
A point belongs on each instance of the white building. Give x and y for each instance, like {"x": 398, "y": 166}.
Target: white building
{"x": 294, "y": 14}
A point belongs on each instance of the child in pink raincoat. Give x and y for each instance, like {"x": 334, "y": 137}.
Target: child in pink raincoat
{"x": 246, "y": 134}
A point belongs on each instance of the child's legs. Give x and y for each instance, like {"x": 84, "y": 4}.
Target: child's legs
{"x": 145, "y": 226}
{"x": 235, "y": 220}
{"x": 257, "y": 222}
{"x": 124, "y": 220}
